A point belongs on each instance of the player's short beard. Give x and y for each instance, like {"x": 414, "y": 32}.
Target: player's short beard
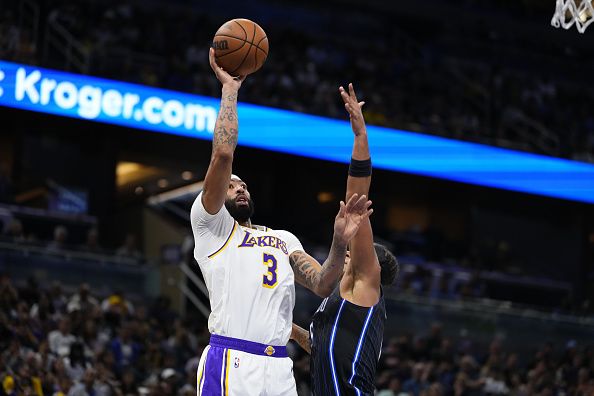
{"x": 240, "y": 213}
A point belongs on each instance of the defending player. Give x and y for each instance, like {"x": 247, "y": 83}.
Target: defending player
{"x": 347, "y": 330}
{"x": 250, "y": 271}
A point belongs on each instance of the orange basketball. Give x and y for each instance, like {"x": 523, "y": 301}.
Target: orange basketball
{"x": 241, "y": 47}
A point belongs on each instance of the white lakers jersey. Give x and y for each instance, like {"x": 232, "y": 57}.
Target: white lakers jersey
{"x": 248, "y": 275}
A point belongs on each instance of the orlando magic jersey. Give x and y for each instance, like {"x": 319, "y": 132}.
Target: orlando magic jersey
{"x": 346, "y": 341}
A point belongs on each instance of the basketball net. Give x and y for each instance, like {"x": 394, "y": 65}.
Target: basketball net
{"x": 569, "y": 12}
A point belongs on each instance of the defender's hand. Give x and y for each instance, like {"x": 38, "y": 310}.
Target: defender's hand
{"x": 225, "y": 78}
{"x": 349, "y": 218}
{"x": 353, "y": 106}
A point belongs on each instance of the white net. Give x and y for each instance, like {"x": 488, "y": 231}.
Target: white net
{"x": 570, "y": 12}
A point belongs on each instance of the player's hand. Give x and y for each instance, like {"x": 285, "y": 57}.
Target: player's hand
{"x": 225, "y": 78}
{"x": 353, "y": 106}
{"x": 350, "y": 217}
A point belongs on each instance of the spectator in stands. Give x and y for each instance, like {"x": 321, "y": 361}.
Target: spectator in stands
{"x": 23, "y": 329}
{"x": 394, "y": 388}
{"x": 90, "y": 386}
{"x": 92, "y": 243}
{"x": 129, "y": 249}
{"x": 182, "y": 344}
{"x": 192, "y": 364}
{"x": 169, "y": 382}
{"x": 94, "y": 338}
{"x": 14, "y": 231}
{"x": 63, "y": 386}
{"x": 161, "y": 310}
{"x": 445, "y": 372}
{"x": 59, "y": 241}
{"x": 129, "y": 382}
{"x": 59, "y": 300}
{"x": 117, "y": 303}
{"x": 83, "y": 300}
{"x": 434, "y": 389}
{"x": 495, "y": 382}
{"x": 76, "y": 363}
{"x": 61, "y": 339}
{"x": 116, "y": 309}
{"x": 468, "y": 380}
{"x": 435, "y": 337}
{"x": 124, "y": 348}
{"x": 30, "y": 293}
{"x": 8, "y": 295}
{"x": 416, "y": 383}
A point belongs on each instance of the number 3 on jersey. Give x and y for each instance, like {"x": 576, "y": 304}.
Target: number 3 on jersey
{"x": 270, "y": 280}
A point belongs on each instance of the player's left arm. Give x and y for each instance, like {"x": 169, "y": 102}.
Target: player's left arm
{"x": 301, "y": 337}
{"x": 363, "y": 258}
{"x": 321, "y": 279}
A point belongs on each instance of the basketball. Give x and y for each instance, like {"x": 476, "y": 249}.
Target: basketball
{"x": 241, "y": 47}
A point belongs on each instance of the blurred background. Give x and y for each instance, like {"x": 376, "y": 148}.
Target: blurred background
{"x": 99, "y": 292}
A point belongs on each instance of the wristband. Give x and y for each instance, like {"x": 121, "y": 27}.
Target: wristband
{"x": 359, "y": 168}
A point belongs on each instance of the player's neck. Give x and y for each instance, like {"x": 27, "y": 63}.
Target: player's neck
{"x": 247, "y": 223}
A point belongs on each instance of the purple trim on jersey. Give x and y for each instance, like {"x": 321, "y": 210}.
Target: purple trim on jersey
{"x": 212, "y": 372}
{"x": 248, "y": 346}
{"x": 226, "y": 241}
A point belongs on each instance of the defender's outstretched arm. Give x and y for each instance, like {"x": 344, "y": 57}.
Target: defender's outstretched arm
{"x": 363, "y": 257}
{"x": 322, "y": 279}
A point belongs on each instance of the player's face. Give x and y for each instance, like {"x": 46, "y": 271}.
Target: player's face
{"x": 238, "y": 191}
{"x": 239, "y": 201}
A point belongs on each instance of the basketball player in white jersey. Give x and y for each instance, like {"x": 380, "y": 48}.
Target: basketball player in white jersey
{"x": 250, "y": 271}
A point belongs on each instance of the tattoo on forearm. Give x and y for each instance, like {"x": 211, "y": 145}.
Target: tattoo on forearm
{"x": 225, "y": 132}
{"x": 225, "y": 136}
{"x": 305, "y": 272}
{"x": 301, "y": 336}
{"x": 319, "y": 280}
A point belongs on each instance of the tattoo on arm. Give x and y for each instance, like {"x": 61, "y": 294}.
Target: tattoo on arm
{"x": 301, "y": 337}
{"x": 225, "y": 133}
{"x": 321, "y": 279}
{"x": 306, "y": 273}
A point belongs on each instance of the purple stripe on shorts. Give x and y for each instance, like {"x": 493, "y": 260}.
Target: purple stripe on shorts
{"x": 248, "y": 346}
{"x": 212, "y": 372}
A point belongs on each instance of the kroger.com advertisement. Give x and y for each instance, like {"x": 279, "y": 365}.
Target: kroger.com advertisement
{"x": 70, "y": 95}
{"x": 130, "y": 105}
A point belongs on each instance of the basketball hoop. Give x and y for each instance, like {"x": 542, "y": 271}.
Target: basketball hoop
{"x": 570, "y": 12}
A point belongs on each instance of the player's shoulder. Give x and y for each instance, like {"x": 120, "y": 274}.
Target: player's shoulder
{"x": 269, "y": 230}
{"x": 198, "y": 211}
{"x": 261, "y": 228}
{"x": 197, "y": 206}
{"x": 282, "y": 233}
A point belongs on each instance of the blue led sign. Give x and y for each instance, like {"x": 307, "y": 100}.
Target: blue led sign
{"x": 90, "y": 98}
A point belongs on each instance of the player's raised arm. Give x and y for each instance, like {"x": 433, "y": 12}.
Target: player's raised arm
{"x": 322, "y": 279}
{"x": 224, "y": 141}
{"x": 359, "y": 180}
{"x": 363, "y": 257}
